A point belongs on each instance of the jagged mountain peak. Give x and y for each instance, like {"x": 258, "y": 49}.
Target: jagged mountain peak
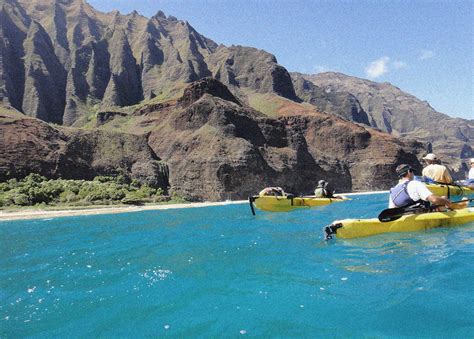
{"x": 159, "y": 15}
{"x": 161, "y": 54}
{"x": 112, "y": 59}
{"x": 364, "y": 83}
{"x": 395, "y": 111}
{"x": 210, "y": 86}
{"x": 341, "y": 82}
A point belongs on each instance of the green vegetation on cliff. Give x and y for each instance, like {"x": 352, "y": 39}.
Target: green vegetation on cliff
{"x": 35, "y": 190}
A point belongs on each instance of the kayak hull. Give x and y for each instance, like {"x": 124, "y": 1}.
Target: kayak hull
{"x": 357, "y": 228}
{"x": 286, "y": 204}
{"x": 450, "y": 190}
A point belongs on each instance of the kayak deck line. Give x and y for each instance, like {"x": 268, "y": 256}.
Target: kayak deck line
{"x": 364, "y": 193}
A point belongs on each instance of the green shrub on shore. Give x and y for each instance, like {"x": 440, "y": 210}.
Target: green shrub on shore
{"x": 36, "y": 190}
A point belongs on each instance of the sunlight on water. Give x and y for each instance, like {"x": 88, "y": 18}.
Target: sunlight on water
{"x": 219, "y": 271}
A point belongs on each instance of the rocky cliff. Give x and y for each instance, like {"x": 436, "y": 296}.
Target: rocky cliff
{"x": 217, "y": 147}
{"x": 391, "y": 110}
{"x": 32, "y": 146}
{"x": 62, "y": 59}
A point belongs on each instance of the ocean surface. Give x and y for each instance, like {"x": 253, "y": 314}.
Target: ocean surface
{"x": 222, "y": 272}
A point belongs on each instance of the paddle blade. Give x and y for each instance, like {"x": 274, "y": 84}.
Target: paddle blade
{"x": 459, "y": 205}
{"x": 391, "y": 214}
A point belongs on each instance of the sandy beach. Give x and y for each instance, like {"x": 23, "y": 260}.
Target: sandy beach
{"x": 40, "y": 214}
{"x": 51, "y": 213}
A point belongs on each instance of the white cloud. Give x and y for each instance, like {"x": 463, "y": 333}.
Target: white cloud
{"x": 383, "y": 66}
{"x": 426, "y": 54}
{"x": 377, "y": 68}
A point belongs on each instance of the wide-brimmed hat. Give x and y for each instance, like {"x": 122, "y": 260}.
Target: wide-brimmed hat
{"x": 430, "y": 156}
{"x": 403, "y": 169}
{"x": 321, "y": 183}
{"x": 472, "y": 160}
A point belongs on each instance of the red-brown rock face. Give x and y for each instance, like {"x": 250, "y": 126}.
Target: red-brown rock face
{"x": 32, "y": 146}
{"x": 217, "y": 149}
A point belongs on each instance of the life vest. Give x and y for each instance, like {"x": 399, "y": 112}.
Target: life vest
{"x": 400, "y": 196}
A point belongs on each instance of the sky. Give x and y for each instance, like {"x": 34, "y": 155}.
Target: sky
{"x": 424, "y": 47}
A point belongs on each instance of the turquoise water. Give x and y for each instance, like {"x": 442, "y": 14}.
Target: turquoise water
{"x": 221, "y": 272}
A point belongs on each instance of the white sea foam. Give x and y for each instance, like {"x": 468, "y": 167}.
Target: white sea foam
{"x": 155, "y": 274}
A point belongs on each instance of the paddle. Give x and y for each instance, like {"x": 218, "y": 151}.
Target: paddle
{"x": 391, "y": 214}
{"x": 251, "y": 200}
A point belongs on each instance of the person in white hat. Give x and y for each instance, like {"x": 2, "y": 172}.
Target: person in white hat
{"x": 471, "y": 171}
{"x": 435, "y": 171}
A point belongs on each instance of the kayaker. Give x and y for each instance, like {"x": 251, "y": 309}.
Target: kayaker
{"x": 410, "y": 192}
{"x": 276, "y": 191}
{"x": 323, "y": 190}
{"x": 471, "y": 171}
{"x": 435, "y": 171}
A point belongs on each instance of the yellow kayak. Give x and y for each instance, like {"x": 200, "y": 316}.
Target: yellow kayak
{"x": 289, "y": 203}
{"x": 450, "y": 190}
{"x": 356, "y": 228}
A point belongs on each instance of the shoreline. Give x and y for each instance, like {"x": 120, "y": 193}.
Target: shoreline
{"x": 43, "y": 214}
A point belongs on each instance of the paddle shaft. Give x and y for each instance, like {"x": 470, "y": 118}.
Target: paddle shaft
{"x": 251, "y": 200}
{"x": 391, "y": 214}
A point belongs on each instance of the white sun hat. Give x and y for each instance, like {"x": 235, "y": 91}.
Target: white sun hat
{"x": 430, "y": 156}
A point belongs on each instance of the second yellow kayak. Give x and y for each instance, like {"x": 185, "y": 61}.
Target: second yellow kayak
{"x": 450, "y": 190}
{"x": 288, "y": 203}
